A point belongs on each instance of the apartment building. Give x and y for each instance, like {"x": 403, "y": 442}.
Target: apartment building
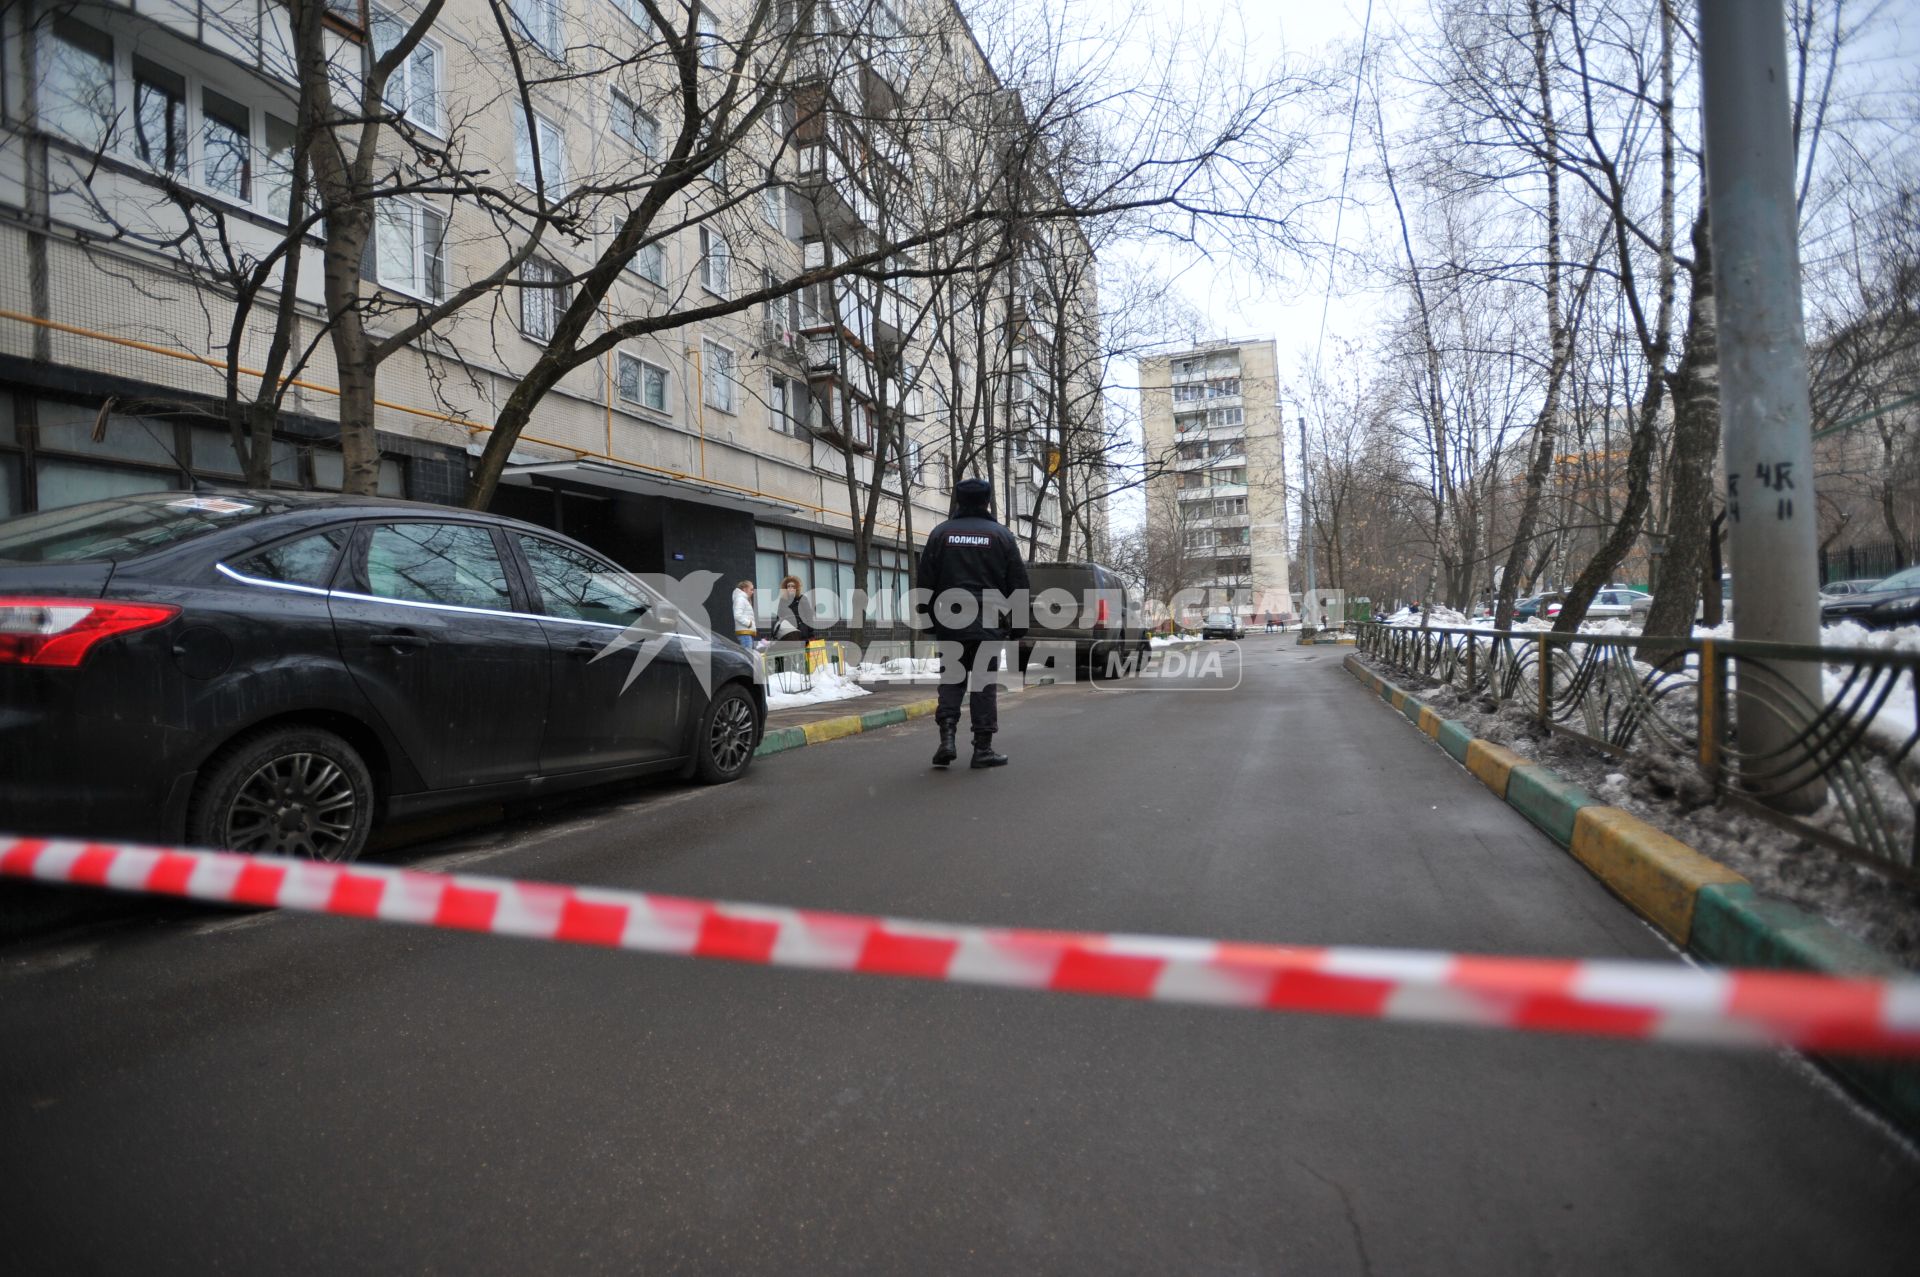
{"x": 1213, "y": 425}
{"x": 147, "y": 168}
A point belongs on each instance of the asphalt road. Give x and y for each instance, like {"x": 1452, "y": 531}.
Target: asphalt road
{"x": 221, "y": 1093}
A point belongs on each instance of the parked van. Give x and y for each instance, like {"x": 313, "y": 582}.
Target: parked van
{"x": 1104, "y": 620}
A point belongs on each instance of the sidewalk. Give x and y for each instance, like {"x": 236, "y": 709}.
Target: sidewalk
{"x": 885, "y": 704}
{"x": 880, "y": 696}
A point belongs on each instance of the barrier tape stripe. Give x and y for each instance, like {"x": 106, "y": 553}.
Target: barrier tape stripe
{"x": 1604, "y": 998}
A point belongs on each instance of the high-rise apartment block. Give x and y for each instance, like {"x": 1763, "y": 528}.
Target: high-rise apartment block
{"x": 1214, "y": 430}
{"x": 737, "y": 403}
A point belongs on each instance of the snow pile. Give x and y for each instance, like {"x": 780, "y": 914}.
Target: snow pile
{"x": 1894, "y": 722}
{"x": 788, "y": 689}
{"x": 898, "y": 668}
{"x": 1432, "y": 616}
{"x": 1173, "y": 640}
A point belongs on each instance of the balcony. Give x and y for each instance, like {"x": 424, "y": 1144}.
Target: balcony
{"x": 1210, "y": 492}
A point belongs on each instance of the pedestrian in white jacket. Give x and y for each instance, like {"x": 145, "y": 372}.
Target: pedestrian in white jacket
{"x": 746, "y": 626}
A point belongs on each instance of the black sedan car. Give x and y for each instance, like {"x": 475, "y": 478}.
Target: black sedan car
{"x": 1888, "y": 603}
{"x": 275, "y": 671}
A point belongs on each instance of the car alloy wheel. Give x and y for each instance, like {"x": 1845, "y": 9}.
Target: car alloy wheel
{"x": 300, "y": 804}
{"x": 730, "y": 738}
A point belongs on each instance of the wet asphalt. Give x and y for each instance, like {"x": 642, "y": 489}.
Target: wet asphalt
{"x": 195, "y": 1091}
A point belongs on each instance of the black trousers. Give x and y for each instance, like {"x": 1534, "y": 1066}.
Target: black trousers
{"x": 983, "y": 704}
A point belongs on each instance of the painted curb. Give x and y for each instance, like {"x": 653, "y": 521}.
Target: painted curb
{"x": 781, "y": 739}
{"x": 1493, "y": 764}
{"x": 1550, "y": 803}
{"x": 1656, "y": 873}
{"x": 1705, "y": 907}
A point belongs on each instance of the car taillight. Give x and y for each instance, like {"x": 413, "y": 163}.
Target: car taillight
{"x": 1101, "y": 619}
{"x": 60, "y": 632}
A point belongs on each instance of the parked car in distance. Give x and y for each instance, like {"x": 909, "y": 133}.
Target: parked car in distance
{"x": 1893, "y": 601}
{"x": 1613, "y": 602}
{"x": 1842, "y": 589}
{"x": 279, "y": 671}
{"x": 1221, "y": 625}
{"x": 1529, "y": 607}
{"x": 1089, "y": 606}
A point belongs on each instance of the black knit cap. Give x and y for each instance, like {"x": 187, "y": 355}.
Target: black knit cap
{"x": 972, "y": 494}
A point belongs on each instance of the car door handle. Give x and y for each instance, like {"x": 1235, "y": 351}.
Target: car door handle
{"x": 404, "y": 640}
{"x": 588, "y": 649}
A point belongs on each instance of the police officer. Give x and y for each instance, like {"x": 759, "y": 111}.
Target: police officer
{"x": 968, "y": 555}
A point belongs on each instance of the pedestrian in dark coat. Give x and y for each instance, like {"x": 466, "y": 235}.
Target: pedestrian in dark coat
{"x": 972, "y": 556}
{"x": 792, "y": 614}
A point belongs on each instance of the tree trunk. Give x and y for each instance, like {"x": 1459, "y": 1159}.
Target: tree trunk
{"x": 1712, "y": 604}
{"x": 1559, "y": 342}
{"x": 347, "y": 235}
{"x": 1696, "y": 442}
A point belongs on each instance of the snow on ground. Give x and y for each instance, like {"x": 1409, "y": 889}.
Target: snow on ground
{"x": 898, "y": 668}
{"x": 1432, "y": 616}
{"x": 788, "y": 689}
{"x": 1173, "y": 640}
{"x": 1894, "y": 723}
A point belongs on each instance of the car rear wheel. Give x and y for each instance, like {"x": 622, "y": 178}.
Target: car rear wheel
{"x": 288, "y": 791}
{"x": 728, "y": 734}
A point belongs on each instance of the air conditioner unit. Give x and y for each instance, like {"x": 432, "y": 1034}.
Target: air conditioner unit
{"x": 774, "y": 335}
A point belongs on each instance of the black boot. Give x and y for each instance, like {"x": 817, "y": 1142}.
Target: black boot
{"x": 948, "y": 750}
{"x": 983, "y": 754}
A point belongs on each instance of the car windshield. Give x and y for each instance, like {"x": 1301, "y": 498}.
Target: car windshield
{"x": 123, "y": 527}
{"x": 1219, "y": 618}
{"x": 1907, "y": 580}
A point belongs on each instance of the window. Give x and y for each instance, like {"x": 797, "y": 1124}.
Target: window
{"x": 226, "y": 147}
{"x": 643, "y": 383}
{"x": 159, "y": 116}
{"x": 773, "y": 206}
{"x": 539, "y": 20}
{"x": 636, "y": 13}
{"x": 447, "y": 563}
{"x": 716, "y": 263}
{"x": 581, "y": 587}
{"x": 542, "y": 299}
{"x": 650, "y": 263}
{"x": 413, "y": 89}
{"x": 718, "y": 389}
{"x": 76, "y": 89}
{"x": 305, "y": 560}
{"x": 636, "y": 125}
{"x": 175, "y": 123}
{"x": 787, "y": 405}
{"x": 712, "y": 51}
{"x": 410, "y": 248}
{"x": 912, "y": 400}
{"x": 329, "y": 472}
{"x": 276, "y": 169}
{"x": 782, "y": 316}
{"x": 553, "y": 154}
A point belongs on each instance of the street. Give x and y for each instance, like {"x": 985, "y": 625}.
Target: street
{"x": 206, "y": 1091}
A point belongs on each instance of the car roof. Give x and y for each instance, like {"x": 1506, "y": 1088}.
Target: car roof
{"x": 298, "y": 509}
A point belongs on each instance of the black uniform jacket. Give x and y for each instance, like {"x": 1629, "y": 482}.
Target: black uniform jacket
{"x": 974, "y": 553}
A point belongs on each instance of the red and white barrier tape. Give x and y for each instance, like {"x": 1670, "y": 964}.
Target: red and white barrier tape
{"x": 1610, "y": 999}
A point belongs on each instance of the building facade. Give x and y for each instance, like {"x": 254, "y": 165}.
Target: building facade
{"x": 147, "y": 157}
{"x": 1216, "y": 437}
